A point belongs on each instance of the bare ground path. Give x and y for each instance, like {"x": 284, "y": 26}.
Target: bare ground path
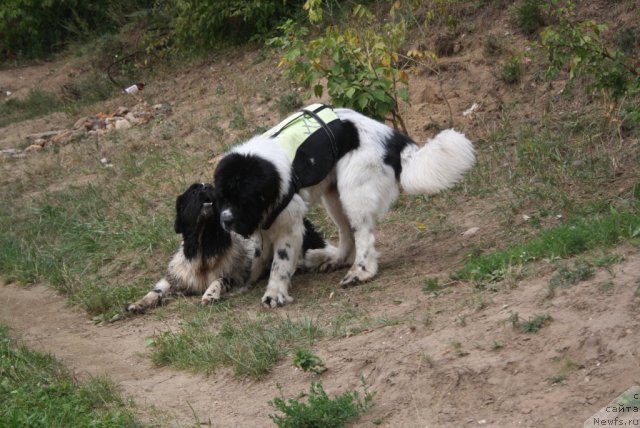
{"x": 44, "y": 321}
{"x": 456, "y": 360}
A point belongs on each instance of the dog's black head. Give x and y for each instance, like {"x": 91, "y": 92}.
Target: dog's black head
{"x": 247, "y": 187}
{"x": 198, "y": 220}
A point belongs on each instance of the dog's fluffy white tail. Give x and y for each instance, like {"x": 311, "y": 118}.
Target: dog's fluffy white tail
{"x": 438, "y": 165}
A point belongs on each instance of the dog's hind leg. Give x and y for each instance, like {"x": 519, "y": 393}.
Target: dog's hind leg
{"x": 365, "y": 265}
{"x": 331, "y": 258}
{"x": 152, "y": 298}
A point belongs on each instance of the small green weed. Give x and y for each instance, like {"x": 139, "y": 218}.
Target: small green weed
{"x": 430, "y": 285}
{"x": 605, "y": 287}
{"x": 566, "y": 368}
{"x": 497, "y": 345}
{"x": 512, "y": 71}
{"x": 533, "y": 325}
{"x": 557, "y": 379}
{"x": 320, "y": 411}
{"x": 456, "y": 347}
{"x": 529, "y": 16}
{"x": 289, "y": 102}
{"x": 492, "y": 46}
{"x": 36, "y": 390}
{"x": 308, "y": 362}
{"x": 567, "y": 276}
{"x": 238, "y": 120}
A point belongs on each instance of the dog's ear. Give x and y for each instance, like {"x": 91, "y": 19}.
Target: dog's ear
{"x": 178, "y": 225}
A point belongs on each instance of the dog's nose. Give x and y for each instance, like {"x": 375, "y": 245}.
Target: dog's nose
{"x": 226, "y": 219}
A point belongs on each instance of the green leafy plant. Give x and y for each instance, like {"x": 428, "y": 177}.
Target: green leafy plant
{"x": 582, "y": 47}
{"x": 308, "y": 362}
{"x": 359, "y": 63}
{"x": 511, "y": 72}
{"x": 320, "y": 411}
{"x": 529, "y": 16}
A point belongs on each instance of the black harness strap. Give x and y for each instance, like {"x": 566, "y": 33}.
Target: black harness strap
{"x": 332, "y": 138}
{"x": 294, "y": 182}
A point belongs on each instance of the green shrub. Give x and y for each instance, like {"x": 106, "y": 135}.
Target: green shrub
{"x": 199, "y": 25}
{"x": 529, "y": 16}
{"x": 32, "y": 28}
{"x": 512, "y": 71}
{"x": 321, "y": 411}
{"x": 359, "y": 63}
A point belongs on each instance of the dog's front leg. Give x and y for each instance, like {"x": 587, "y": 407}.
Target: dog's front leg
{"x": 214, "y": 291}
{"x": 153, "y": 298}
{"x": 287, "y": 242}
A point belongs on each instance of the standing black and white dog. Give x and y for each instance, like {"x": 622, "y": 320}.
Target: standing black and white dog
{"x": 355, "y": 165}
{"x": 211, "y": 261}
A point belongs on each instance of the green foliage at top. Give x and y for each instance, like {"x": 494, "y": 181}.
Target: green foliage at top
{"x": 320, "y": 411}
{"x": 201, "y": 25}
{"x": 358, "y": 62}
{"x": 582, "y": 47}
{"x": 32, "y": 28}
{"x": 37, "y": 391}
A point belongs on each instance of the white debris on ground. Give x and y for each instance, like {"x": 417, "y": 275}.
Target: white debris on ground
{"x": 123, "y": 118}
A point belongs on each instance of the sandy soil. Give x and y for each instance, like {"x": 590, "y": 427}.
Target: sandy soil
{"x": 420, "y": 380}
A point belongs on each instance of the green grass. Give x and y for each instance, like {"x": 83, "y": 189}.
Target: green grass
{"x": 37, "y": 391}
{"x": 320, "y": 411}
{"x": 101, "y": 244}
{"x": 38, "y": 103}
{"x": 562, "y": 241}
{"x": 216, "y": 337}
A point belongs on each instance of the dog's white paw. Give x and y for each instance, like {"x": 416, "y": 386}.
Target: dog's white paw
{"x": 356, "y": 275}
{"x": 151, "y": 300}
{"x": 273, "y": 298}
{"x": 209, "y": 299}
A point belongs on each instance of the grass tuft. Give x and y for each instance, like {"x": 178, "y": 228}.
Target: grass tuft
{"x": 250, "y": 346}
{"x": 534, "y": 324}
{"x": 567, "y": 276}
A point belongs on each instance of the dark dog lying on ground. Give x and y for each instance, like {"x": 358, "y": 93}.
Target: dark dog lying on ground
{"x": 211, "y": 261}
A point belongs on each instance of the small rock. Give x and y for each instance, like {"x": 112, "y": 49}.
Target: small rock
{"x": 80, "y": 123}
{"x": 471, "y": 231}
{"x": 122, "y": 111}
{"x": 33, "y": 148}
{"x": 95, "y": 124}
{"x": 122, "y": 124}
{"x": 162, "y": 108}
{"x": 132, "y": 118}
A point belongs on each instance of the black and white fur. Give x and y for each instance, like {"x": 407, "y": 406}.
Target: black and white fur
{"x": 211, "y": 261}
{"x": 254, "y": 177}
